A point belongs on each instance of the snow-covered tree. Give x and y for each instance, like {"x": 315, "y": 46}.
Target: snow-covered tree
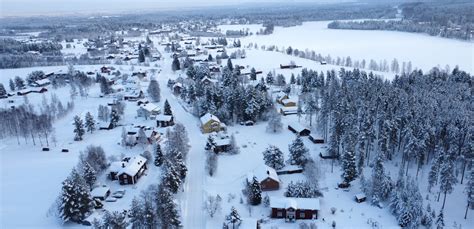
{"x": 470, "y": 192}
{"x": 274, "y": 123}
{"x": 90, "y": 122}
{"x": 273, "y": 157}
{"x": 89, "y": 174}
{"x": 213, "y": 205}
{"x": 75, "y": 201}
{"x": 154, "y": 90}
{"x": 159, "y": 156}
{"x": 233, "y": 220}
{"x": 167, "y": 108}
{"x": 302, "y": 189}
{"x": 3, "y": 92}
{"x": 440, "y": 220}
{"x": 167, "y": 209}
{"x": 78, "y": 128}
{"x": 254, "y": 192}
{"x": 176, "y": 65}
{"x": 114, "y": 220}
{"x": 233, "y": 148}
{"x": 298, "y": 152}
{"x": 349, "y": 170}
{"x": 142, "y": 139}
{"x": 447, "y": 177}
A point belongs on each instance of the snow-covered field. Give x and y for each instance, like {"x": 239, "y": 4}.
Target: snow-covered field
{"x": 423, "y": 51}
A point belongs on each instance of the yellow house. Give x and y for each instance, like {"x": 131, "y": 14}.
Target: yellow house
{"x": 211, "y": 123}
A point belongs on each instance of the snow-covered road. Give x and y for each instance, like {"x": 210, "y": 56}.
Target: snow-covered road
{"x": 192, "y": 198}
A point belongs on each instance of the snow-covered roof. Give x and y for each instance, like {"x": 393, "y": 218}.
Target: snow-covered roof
{"x": 297, "y": 127}
{"x": 296, "y": 203}
{"x": 43, "y": 81}
{"x": 133, "y": 165}
{"x": 100, "y": 191}
{"x": 178, "y": 85}
{"x": 208, "y": 117}
{"x": 289, "y": 109}
{"x": 360, "y": 196}
{"x": 150, "y": 107}
{"x": 263, "y": 172}
{"x": 222, "y": 141}
{"x": 289, "y": 101}
{"x": 209, "y": 79}
{"x": 165, "y": 118}
{"x": 316, "y": 136}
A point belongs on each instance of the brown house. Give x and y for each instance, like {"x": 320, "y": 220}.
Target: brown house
{"x": 129, "y": 170}
{"x": 299, "y": 129}
{"x": 164, "y": 120}
{"x": 316, "y": 139}
{"x": 267, "y": 177}
{"x": 292, "y": 209}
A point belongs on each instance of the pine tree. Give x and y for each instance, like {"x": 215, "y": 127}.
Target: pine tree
{"x": 440, "y": 220}
{"x": 75, "y": 201}
{"x": 171, "y": 179}
{"x": 381, "y": 183}
{"x": 230, "y": 66}
{"x": 114, "y": 118}
{"x": 11, "y": 84}
{"x": 142, "y": 139}
{"x": 159, "y": 156}
{"x": 447, "y": 177}
{"x": 253, "y": 74}
{"x": 3, "y": 92}
{"x": 89, "y": 174}
{"x": 167, "y": 209}
{"x": 349, "y": 170}
{"x": 254, "y": 192}
{"x": 233, "y": 219}
{"x": 298, "y": 152}
{"x": 78, "y": 128}
{"x": 114, "y": 220}
{"x": 141, "y": 56}
{"x": 90, "y": 122}
{"x": 273, "y": 157}
{"x": 167, "y": 108}
{"x": 154, "y": 90}
{"x": 470, "y": 192}
{"x": 176, "y": 65}
{"x": 19, "y": 83}
{"x": 105, "y": 86}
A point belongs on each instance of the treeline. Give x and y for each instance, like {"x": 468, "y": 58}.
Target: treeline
{"x": 417, "y": 120}
{"x": 12, "y": 46}
{"x": 450, "y": 20}
{"x": 230, "y": 99}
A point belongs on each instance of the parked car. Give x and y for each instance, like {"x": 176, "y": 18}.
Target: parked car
{"x": 110, "y": 199}
{"x": 118, "y": 194}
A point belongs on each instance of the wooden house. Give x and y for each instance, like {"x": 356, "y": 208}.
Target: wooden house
{"x": 360, "y": 197}
{"x": 148, "y": 110}
{"x": 129, "y": 170}
{"x": 211, "y": 123}
{"x": 177, "y": 87}
{"x": 134, "y": 96}
{"x": 288, "y": 110}
{"x": 292, "y": 209}
{"x": 267, "y": 177}
{"x": 299, "y": 129}
{"x": 41, "y": 83}
{"x": 222, "y": 145}
{"x": 105, "y": 69}
{"x": 164, "y": 120}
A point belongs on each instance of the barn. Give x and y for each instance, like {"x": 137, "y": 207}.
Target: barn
{"x": 292, "y": 209}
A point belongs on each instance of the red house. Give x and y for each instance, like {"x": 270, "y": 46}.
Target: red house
{"x": 292, "y": 209}
{"x": 267, "y": 177}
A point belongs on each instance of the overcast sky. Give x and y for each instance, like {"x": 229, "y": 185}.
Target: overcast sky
{"x": 57, "y": 7}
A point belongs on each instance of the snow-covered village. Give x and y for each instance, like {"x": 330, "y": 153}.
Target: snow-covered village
{"x": 237, "y": 114}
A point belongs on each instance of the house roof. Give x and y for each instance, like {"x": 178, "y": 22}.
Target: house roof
{"x": 263, "y": 172}
{"x": 150, "y": 107}
{"x": 100, "y": 191}
{"x": 289, "y": 101}
{"x": 296, "y": 203}
{"x": 297, "y": 127}
{"x": 208, "y": 117}
{"x": 166, "y": 118}
{"x": 133, "y": 165}
{"x": 43, "y": 81}
{"x": 222, "y": 141}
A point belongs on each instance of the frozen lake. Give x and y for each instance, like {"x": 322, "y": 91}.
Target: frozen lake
{"x": 422, "y": 50}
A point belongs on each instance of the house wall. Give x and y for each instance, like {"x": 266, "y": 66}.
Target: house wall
{"x": 308, "y": 214}
{"x": 269, "y": 185}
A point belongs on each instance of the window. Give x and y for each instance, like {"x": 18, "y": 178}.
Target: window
{"x": 302, "y": 215}
{"x": 279, "y": 213}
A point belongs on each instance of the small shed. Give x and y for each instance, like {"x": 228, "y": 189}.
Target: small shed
{"x": 316, "y": 139}
{"x": 100, "y": 193}
{"x": 299, "y": 129}
{"x": 360, "y": 197}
